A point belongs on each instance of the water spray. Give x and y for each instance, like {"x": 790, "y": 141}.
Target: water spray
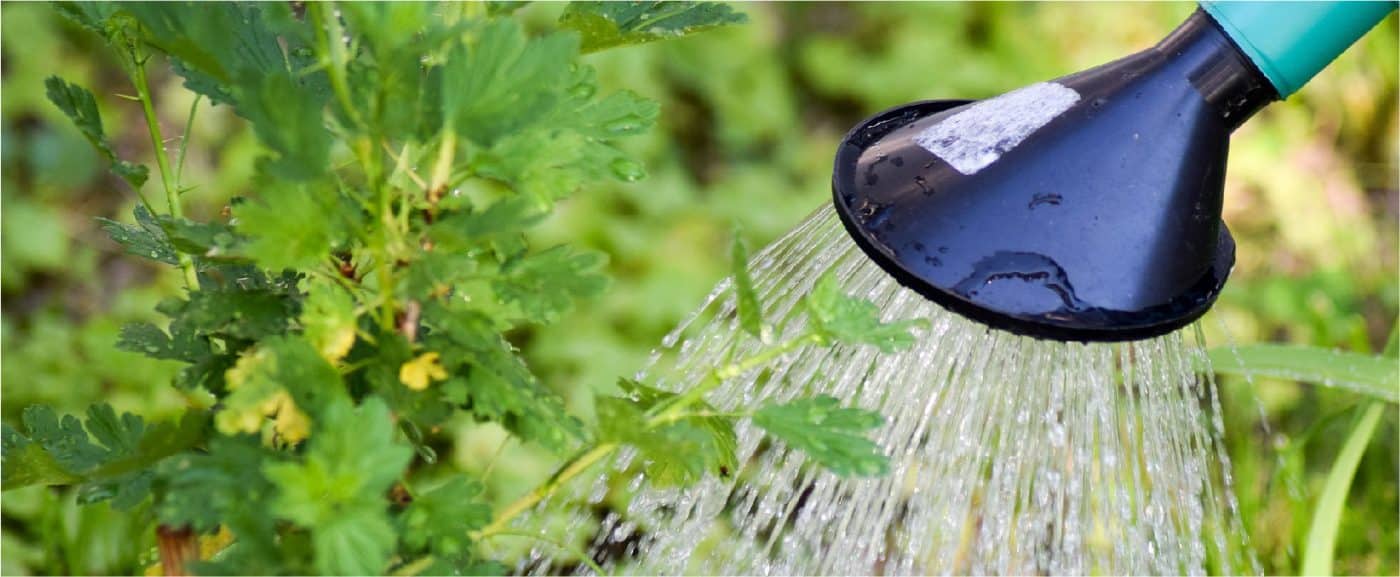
{"x": 1055, "y": 421}
{"x": 1085, "y": 208}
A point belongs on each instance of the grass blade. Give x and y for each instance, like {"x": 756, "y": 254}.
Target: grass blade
{"x": 1327, "y": 517}
{"x": 1375, "y": 377}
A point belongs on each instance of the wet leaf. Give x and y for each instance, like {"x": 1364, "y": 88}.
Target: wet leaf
{"x": 609, "y": 24}
{"x": 79, "y": 105}
{"x": 1373, "y": 376}
{"x": 750, "y": 315}
{"x": 841, "y": 318}
{"x": 830, "y": 435}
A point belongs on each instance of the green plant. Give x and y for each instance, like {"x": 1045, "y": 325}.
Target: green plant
{"x": 1376, "y": 377}
{"x": 366, "y": 294}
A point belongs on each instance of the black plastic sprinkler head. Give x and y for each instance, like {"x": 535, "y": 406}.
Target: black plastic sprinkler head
{"x": 1086, "y": 208}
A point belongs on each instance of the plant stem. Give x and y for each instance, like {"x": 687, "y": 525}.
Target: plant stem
{"x": 1322, "y": 535}
{"x": 443, "y": 169}
{"x": 172, "y": 194}
{"x": 333, "y": 49}
{"x": 570, "y": 470}
{"x": 185, "y": 142}
{"x": 177, "y": 546}
{"x": 582, "y": 555}
{"x": 670, "y": 413}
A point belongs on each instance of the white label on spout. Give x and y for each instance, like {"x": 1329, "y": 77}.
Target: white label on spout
{"x": 976, "y": 137}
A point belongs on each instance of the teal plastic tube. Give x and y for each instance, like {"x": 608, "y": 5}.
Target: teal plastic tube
{"x": 1291, "y": 42}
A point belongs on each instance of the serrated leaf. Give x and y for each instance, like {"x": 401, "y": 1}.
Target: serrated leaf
{"x": 240, "y": 314}
{"x": 27, "y": 463}
{"x": 328, "y": 317}
{"x": 228, "y": 52}
{"x": 464, "y": 230}
{"x": 109, "y": 456}
{"x": 608, "y": 24}
{"x": 283, "y": 379}
{"x": 546, "y": 284}
{"x": 745, "y": 299}
{"x": 223, "y": 486}
{"x": 841, "y": 318}
{"x": 204, "y": 239}
{"x": 829, "y": 434}
{"x": 503, "y": 81}
{"x": 534, "y": 113}
{"x": 145, "y": 239}
{"x": 500, "y": 387}
{"x": 337, "y": 490}
{"x": 439, "y": 521}
{"x": 81, "y": 107}
{"x": 574, "y": 145}
{"x": 679, "y": 452}
{"x": 295, "y": 226}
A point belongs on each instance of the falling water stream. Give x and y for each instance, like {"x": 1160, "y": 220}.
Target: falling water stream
{"x": 1009, "y": 455}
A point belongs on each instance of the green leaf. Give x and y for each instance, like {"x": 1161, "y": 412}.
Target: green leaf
{"x": 240, "y": 314}
{"x": 1321, "y": 543}
{"x": 746, "y": 301}
{"x": 841, "y": 318}
{"x": 608, "y": 24}
{"x": 504, "y": 82}
{"x": 465, "y": 230}
{"x": 1371, "y": 376}
{"x": 244, "y": 65}
{"x": 534, "y": 114}
{"x": 499, "y": 386}
{"x": 109, "y": 456}
{"x": 328, "y": 318}
{"x": 204, "y": 239}
{"x": 225, "y": 486}
{"x": 81, "y": 107}
{"x": 285, "y": 378}
{"x": 146, "y": 238}
{"x": 287, "y": 118}
{"x": 295, "y": 226}
{"x": 546, "y": 284}
{"x": 27, "y": 463}
{"x": 573, "y": 145}
{"x": 337, "y": 490}
{"x": 679, "y": 452}
{"x": 829, "y": 434}
{"x": 439, "y": 521}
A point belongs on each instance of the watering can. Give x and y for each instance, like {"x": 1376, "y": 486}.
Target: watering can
{"x": 1085, "y": 208}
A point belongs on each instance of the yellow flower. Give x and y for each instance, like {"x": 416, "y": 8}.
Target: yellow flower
{"x": 292, "y": 425}
{"x": 418, "y": 373}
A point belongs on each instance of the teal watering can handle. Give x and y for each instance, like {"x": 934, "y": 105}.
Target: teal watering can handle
{"x": 1291, "y": 41}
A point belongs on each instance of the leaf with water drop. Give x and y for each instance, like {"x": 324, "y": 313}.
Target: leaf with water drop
{"x": 107, "y": 455}
{"x": 830, "y": 435}
{"x": 145, "y": 239}
{"x": 838, "y": 317}
{"x": 81, "y": 107}
{"x": 1373, "y": 376}
{"x": 608, "y": 24}
{"x": 746, "y": 301}
{"x": 547, "y": 283}
{"x": 678, "y": 452}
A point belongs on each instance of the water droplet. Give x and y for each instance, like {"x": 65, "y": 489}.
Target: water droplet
{"x": 922, "y": 183}
{"x": 628, "y": 169}
{"x": 1045, "y": 198}
{"x": 625, "y": 125}
{"x": 583, "y": 90}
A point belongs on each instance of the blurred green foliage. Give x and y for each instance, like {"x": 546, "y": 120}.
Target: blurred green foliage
{"x": 750, "y": 117}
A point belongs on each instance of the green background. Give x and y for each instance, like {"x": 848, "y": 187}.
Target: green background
{"x": 750, "y": 118}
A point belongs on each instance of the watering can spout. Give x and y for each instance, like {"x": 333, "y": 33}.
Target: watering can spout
{"x": 1084, "y": 208}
